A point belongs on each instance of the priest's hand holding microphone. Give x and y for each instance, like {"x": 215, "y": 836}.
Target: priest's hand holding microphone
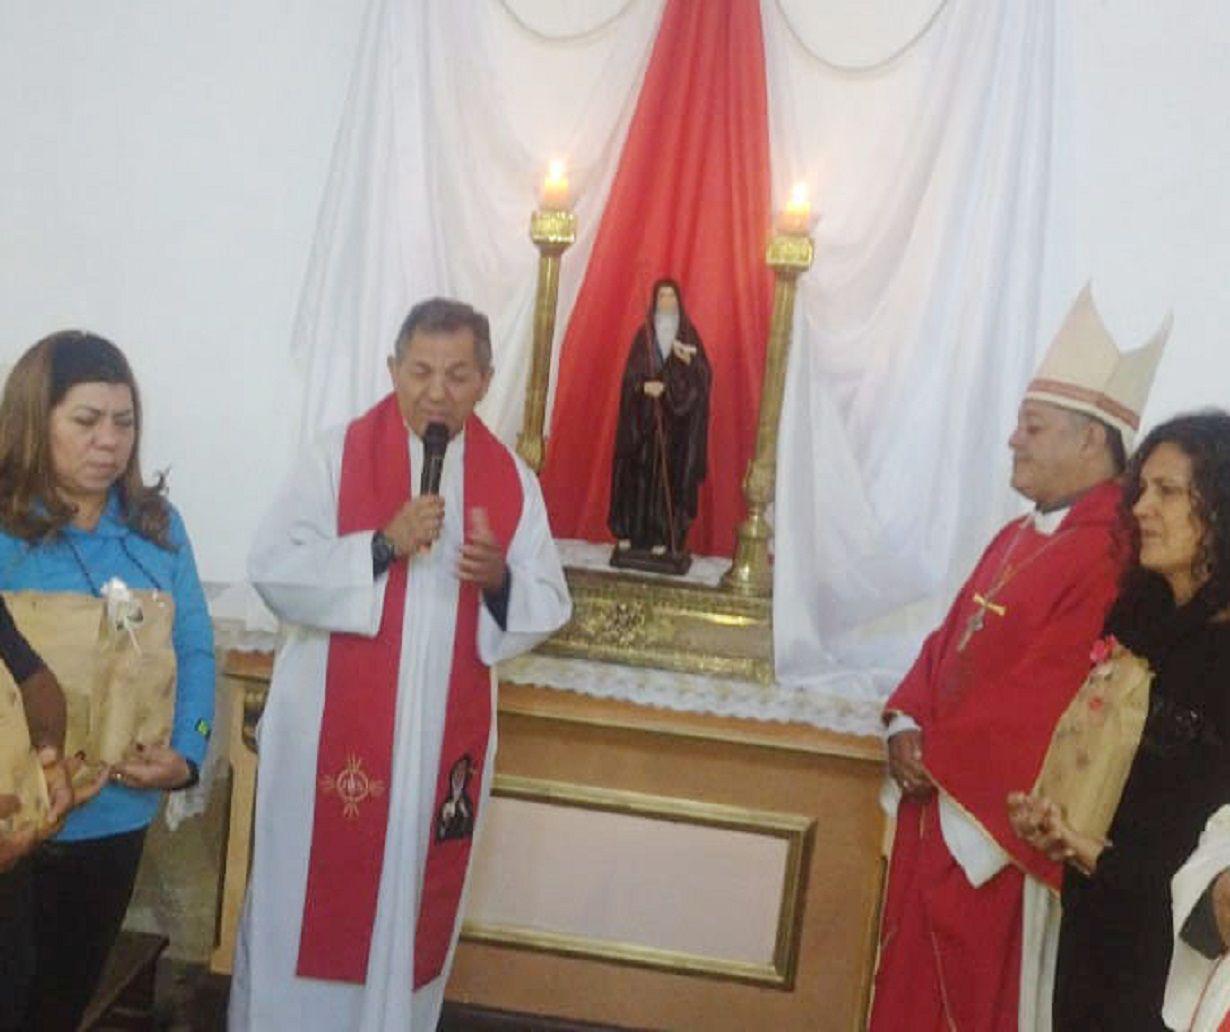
{"x": 417, "y": 524}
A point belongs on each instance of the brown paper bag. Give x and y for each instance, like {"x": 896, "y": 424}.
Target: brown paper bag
{"x": 21, "y": 774}
{"x": 136, "y": 695}
{"x": 117, "y": 669}
{"x": 1095, "y": 741}
{"x": 63, "y": 628}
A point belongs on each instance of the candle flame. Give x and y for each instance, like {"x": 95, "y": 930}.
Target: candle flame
{"x": 798, "y": 196}
{"x": 555, "y": 170}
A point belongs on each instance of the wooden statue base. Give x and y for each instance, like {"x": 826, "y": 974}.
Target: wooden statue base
{"x": 673, "y": 563}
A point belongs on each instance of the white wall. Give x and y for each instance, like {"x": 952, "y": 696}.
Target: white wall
{"x": 160, "y": 171}
{"x": 1142, "y": 174}
{"x": 1143, "y": 197}
{"x": 162, "y": 162}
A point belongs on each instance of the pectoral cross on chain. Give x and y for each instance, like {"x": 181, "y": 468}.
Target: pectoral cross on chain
{"x": 979, "y": 619}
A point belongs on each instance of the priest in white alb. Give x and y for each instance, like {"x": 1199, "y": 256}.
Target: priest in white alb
{"x": 378, "y": 738}
{"x": 1198, "y": 985}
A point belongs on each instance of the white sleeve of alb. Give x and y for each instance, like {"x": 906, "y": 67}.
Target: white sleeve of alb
{"x": 900, "y": 722}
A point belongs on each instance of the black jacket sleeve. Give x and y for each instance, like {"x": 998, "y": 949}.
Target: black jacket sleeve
{"x": 15, "y": 651}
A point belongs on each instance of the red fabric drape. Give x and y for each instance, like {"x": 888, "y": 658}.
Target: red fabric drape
{"x": 690, "y": 200}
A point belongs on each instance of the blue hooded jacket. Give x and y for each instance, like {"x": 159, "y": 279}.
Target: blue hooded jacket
{"x": 82, "y": 561}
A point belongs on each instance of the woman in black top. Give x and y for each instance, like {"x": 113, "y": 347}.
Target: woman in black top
{"x": 1115, "y": 938}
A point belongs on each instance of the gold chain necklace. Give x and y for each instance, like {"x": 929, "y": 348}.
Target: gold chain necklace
{"x": 986, "y": 603}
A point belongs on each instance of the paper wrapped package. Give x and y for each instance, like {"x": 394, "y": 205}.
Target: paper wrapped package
{"x": 1095, "y": 741}
{"x": 20, "y": 772}
{"x": 115, "y": 660}
{"x": 136, "y": 699}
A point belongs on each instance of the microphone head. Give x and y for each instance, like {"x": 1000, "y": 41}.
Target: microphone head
{"x": 435, "y": 438}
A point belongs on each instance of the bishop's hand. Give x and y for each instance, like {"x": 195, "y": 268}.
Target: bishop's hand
{"x": 905, "y": 764}
{"x": 683, "y": 352}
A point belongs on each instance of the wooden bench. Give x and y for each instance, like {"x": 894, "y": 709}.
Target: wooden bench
{"x": 125, "y": 996}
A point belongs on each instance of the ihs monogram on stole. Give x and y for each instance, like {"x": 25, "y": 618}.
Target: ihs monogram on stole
{"x": 352, "y": 786}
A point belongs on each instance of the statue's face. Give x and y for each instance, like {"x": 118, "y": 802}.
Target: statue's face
{"x": 667, "y": 300}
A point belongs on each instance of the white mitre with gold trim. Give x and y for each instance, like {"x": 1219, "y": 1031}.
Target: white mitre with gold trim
{"x": 1085, "y": 371}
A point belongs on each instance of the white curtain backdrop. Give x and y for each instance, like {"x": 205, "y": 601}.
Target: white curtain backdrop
{"x": 915, "y": 330}
{"x": 454, "y": 112}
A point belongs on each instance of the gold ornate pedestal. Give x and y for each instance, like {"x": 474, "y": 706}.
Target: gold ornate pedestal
{"x": 652, "y": 622}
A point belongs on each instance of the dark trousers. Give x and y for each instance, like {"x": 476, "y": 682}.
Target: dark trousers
{"x": 60, "y": 912}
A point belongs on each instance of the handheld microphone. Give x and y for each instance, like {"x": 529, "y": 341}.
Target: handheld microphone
{"x": 435, "y": 440}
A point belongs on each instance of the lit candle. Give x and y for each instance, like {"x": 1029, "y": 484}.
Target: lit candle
{"x": 795, "y": 218}
{"x": 555, "y": 189}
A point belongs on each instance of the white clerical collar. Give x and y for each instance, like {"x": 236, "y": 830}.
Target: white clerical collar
{"x": 1048, "y": 522}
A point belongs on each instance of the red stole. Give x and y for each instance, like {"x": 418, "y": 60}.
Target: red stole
{"x": 355, "y": 754}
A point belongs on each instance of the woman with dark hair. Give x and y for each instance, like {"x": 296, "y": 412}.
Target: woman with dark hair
{"x": 75, "y": 513}
{"x": 661, "y": 440}
{"x": 1173, "y": 612}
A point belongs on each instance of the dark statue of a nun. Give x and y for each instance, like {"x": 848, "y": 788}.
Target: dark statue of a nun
{"x": 662, "y": 438}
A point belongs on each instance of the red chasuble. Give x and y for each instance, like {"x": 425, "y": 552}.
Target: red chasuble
{"x": 987, "y": 689}
{"x": 355, "y": 755}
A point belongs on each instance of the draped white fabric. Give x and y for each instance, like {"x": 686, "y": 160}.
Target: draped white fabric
{"x": 454, "y": 111}
{"x": 915, "y": 331}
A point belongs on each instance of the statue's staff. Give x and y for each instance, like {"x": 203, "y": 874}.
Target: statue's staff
{"x": 651, "y": 345}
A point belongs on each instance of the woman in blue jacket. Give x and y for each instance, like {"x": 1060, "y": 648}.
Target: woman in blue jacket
{"x": 74, "y": 513}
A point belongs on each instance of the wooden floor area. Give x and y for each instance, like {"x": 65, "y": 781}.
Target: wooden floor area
{"x": 189, "y": 998}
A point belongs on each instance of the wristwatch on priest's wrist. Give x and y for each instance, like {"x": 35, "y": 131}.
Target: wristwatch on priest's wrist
{"x": 383, "y": 553}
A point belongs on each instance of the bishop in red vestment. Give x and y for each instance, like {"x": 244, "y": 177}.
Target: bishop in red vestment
{"x": 972, "y": 719}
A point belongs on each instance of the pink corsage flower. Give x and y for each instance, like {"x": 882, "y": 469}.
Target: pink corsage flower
{"x": 1101, "y": 655}
{"x": 1103, "y": 649}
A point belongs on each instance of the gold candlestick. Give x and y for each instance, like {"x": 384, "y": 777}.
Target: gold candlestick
{"x": 789, "y": 254}
{"x": 553, "y": 232}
